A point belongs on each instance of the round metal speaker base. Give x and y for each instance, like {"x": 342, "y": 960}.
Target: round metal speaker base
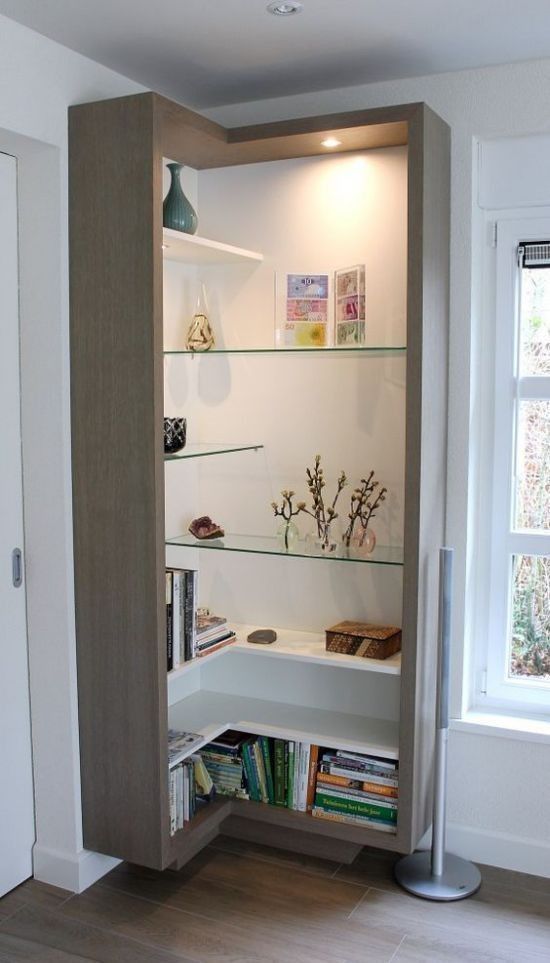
{"x": 459, "y": 879}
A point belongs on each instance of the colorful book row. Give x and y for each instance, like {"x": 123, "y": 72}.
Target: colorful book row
{"x": 332, "y": 784}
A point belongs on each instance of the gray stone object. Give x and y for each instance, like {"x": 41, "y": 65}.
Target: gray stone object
{"x": 262, "y": 636}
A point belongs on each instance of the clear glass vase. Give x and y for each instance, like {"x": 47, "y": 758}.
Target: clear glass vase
{"x": 323, "y": 540}
{"x": 288, "y": 535}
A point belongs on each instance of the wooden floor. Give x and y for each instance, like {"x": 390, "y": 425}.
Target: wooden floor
{"x": 240, "y": 902}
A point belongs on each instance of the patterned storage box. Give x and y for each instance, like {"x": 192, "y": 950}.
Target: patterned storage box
{"x": 364, "y": 639}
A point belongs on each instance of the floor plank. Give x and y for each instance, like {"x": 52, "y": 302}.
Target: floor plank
{"x": 309, "y": 931}
{"x": 517, "y": 925}
{"x": 449, "y": 948}
{"x": 308, "y": 864}
{"x": 74, "y": 940}
{"x": 372, "y": 867}
{"x": 13, "y": 949}
{"x": 242, "y": 902}
{"x": 32, "y": 893}
{"x": 250, "y": 877}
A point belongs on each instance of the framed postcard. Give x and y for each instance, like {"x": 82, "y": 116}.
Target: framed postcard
{"x": 302, "y": 310}
{"x": 349, "y": 307}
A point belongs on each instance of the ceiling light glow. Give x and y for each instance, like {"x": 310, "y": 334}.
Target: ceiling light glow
{"x": 280, "y": 9}
{"x": 329, "y": 142}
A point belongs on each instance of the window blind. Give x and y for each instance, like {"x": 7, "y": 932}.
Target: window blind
{"x": 534, "y": 254}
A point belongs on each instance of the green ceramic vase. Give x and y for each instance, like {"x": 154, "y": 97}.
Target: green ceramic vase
{"x": 177, "y": 213}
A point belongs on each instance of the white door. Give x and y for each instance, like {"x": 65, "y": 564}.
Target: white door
{"x": 16, "y": 788}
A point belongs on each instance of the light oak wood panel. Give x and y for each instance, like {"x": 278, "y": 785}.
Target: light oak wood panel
{"x": 46, "y": 937}
{"x": 117, "y": 455}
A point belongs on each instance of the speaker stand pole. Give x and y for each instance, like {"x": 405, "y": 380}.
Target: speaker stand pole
{"x": 438, "y": 875}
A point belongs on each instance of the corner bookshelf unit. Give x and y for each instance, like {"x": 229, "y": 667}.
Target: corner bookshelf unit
{"x": 278, "y": 205}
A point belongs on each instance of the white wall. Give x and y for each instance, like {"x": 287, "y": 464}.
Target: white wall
{"x": 491, "y": 775}
{"x": 38, "y": 81}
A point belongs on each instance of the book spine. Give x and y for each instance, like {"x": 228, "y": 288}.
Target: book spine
{"x": 342, "y": 793}
{"x": 279, "y": 781}
{"x": 380, "y": 825}
{"x": 248, "y": 761}
{"x": 181, "y": 581}
{"x": 312, "y": 777}
{"x": 195, "y": 585}
{"x": 180, "y": 796}
{"x": 189, "y": 614}
{"x": 186, "y": 810}
{"x": 354, "y": 774}
{"x": 176, "y": 626}
{"x": 289, "y": 766}
{"x": 303, "y": 772}
{"x": 266, "y": 753}
{"x": 172, "y": 798}
{"x": 354, "y": 807}
{"x": 169, "y": 624}
{"x": 376, "y": 761}
{"x": 260, "y": 769}
{"x": 326, "y": 778}
{"x": 207, "y": 650}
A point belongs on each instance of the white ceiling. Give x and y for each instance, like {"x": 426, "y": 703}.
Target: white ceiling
{"x": 212, "y": 52}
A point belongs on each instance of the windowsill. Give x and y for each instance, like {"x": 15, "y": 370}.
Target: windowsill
{"x": 501, "y": 724}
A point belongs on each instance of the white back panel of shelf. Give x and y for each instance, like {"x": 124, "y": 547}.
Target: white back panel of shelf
{"x": 309, "y": 215}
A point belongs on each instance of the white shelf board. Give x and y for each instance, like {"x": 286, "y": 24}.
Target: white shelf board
{"x": 310, "y": 647}
{"x": 211, "y": 713}
{"x": 298, "y": 646}
{"x": 191, "y": 249}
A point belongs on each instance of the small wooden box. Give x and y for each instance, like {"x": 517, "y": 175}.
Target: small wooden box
{"x": 364, "y": 639}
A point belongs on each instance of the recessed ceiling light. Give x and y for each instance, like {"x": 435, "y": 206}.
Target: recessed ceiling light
{"x": 331, "y": 142}
{"x": 284, "y": 9}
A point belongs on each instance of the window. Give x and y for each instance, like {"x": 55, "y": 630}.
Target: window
{"x": 518, "y": 658}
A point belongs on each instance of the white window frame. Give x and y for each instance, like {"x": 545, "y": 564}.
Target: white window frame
{"x": 510, "y": 387}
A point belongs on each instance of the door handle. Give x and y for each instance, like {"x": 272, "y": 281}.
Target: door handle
{"x": 17, "y": 567}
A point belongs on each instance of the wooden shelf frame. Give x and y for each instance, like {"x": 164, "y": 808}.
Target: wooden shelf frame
{"x": 116, "y": 274}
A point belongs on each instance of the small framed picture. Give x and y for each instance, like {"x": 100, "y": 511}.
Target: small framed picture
{"x": 349, "y": 307}
{"x": 302, "y": 310}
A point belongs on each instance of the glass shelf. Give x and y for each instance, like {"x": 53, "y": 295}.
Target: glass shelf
{"x": 203, "y": 450}
{"x": 363, "y": 349}
{"x": 271, "y": 545}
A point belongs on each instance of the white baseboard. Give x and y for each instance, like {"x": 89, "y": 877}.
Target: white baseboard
{"x": 70, "y": 871}
{"x": 518, "y": 853}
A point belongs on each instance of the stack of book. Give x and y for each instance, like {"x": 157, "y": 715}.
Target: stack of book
{"x": 213, "y": 633}
{"x": 223, "y": 761}
{"x": 188, "y": 780}
{"x": 355, "y": 788}
{"x": 188, "y": 633}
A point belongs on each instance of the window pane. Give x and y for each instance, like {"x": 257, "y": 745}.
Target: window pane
{"x": 530, "y": 644}
{"x": 533, "y": 465}
{"x": 535, "y": 321}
